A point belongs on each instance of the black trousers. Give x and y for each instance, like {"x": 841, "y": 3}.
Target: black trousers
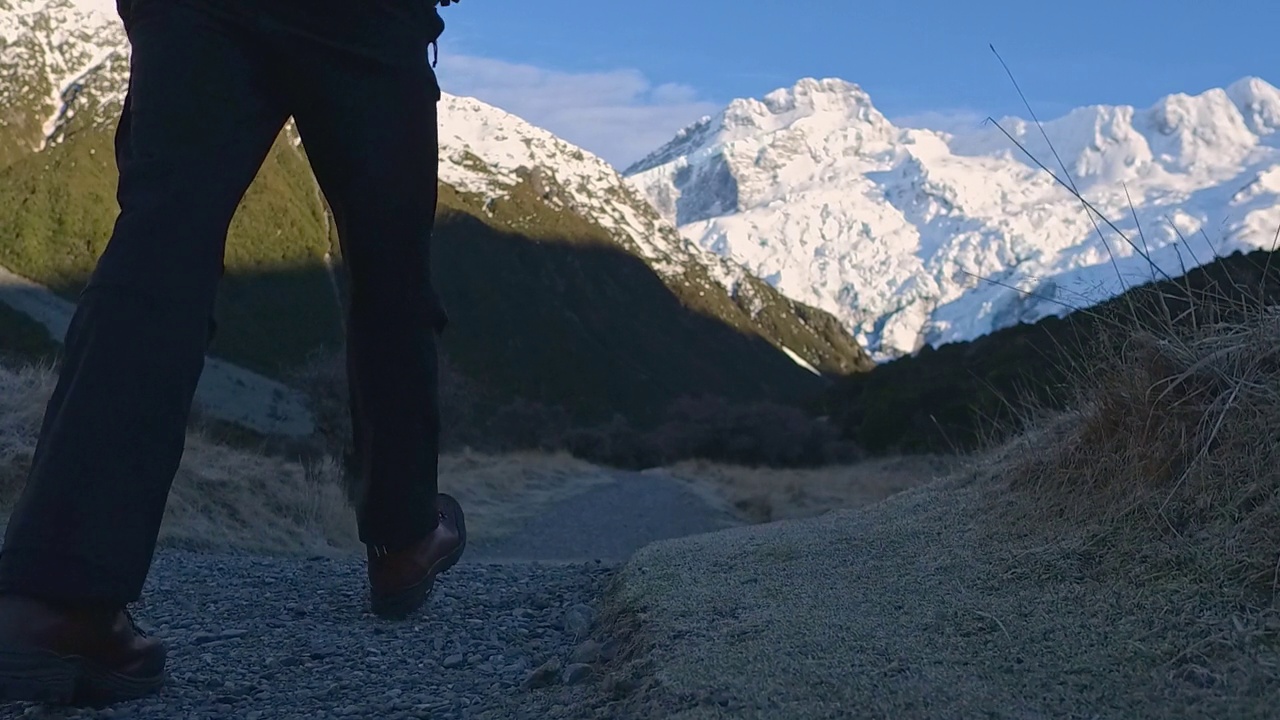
{"x": 212, "y": 83}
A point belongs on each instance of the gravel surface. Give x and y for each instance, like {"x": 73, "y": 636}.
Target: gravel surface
{"x": 274, "y": 638}
{"x": 609, "y": 522}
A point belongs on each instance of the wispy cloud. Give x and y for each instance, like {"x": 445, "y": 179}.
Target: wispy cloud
{"x": 619, "y": 114}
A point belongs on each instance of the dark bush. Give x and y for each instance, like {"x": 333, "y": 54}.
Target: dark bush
{"x": 708, "y": 428}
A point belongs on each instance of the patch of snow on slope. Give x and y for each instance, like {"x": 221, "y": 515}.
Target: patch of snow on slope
{"x": 49, "y": 47}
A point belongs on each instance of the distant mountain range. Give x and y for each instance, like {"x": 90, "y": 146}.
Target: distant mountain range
{"x": 914, "y": 237}
{"x": 754, "y": 256}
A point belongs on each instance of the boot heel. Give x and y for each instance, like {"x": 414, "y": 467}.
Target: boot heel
{"x": 102, "y": 687}
{"x": 38, "y": 677}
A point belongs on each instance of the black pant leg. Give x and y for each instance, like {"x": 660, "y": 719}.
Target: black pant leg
{"x": 200, "y": 115}
{"x": 369, "y": 128}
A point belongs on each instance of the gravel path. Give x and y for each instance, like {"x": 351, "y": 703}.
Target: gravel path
{"x": 608, "y": 522}
{"x": 511, "y": 632}
{"x": 272, "y": 638}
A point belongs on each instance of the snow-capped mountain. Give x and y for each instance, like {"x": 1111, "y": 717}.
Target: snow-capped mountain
{"x": 63, "y": 75}
{"x": 486, "y": 150}
{"x": 916, "y": 237}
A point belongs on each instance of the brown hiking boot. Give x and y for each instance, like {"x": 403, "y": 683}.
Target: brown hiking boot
{"x": 400, "y": 582}
{"x": 74, "y": 657}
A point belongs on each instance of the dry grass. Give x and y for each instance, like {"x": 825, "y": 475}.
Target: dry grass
{"x": 760, "y": 495}
{"x": 229, "y": 497}
{"x": 1177, "y": 434}
{"x": 1162, "y": 483}
{"x": 223, "y": 498}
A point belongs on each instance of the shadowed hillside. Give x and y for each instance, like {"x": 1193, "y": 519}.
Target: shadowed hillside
{"x": 545, "y": 304}
{"x": 23, "y": 339}
{"x": 570, "y": 318}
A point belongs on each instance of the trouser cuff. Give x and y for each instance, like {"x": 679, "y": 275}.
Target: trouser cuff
{"x": 62, "y": 579}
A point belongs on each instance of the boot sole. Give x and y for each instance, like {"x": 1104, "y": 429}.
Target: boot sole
{"x": 39, "y": 676}
{"x": 398, "y": 606}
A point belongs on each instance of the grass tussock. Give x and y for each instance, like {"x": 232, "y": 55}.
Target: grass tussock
{"x": 1161, "y": 484}
{"x": 1176, "y": 431}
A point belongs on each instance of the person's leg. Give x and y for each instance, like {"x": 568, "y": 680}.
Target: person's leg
{"x": 200, "y": 115}
{"x": 368, "y": 124}
{"x": 369, "y": 130}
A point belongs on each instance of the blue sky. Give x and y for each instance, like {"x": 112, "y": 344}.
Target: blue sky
{"x": 619, "y": 77}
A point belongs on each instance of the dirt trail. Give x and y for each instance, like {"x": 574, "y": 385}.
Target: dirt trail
{"x": 226, "y": 391}
{"x": 607, "y": 521}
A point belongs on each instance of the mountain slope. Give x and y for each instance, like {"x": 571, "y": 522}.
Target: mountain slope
{"x": 563, "y": 283}
{"x": 914, "y": 237}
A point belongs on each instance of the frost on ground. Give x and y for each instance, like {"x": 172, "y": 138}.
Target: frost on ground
{"x": 1118, "y": 560}
{"x": 232, "y": 498}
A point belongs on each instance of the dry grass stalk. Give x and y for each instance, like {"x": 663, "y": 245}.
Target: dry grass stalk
{"x": 1176, "y": 431}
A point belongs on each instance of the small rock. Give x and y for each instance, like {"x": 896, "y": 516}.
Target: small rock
{"x": 618, "y": 688}
{"x": 587, "y": 652}
{"x": 578, "y": 619}
{"x": 204, "y": 638}
{"x": 576, "y": 673}
{"x": 453, "y": 661}
{"x": 609, "y": 650}
{"x": 544, "y": 675}
{"x": 321, "y": 652}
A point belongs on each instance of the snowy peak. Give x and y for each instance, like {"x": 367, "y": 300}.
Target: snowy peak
{"x": 898, "y": 231}
{"x": 820, "y": 103}
{"x": 1206, "y": 134}
{"x": 762, "y": 151}
{"x": 811, "y": 105}
{"x": 1188, "y": 132}
{"x": 1259, "y": 104}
